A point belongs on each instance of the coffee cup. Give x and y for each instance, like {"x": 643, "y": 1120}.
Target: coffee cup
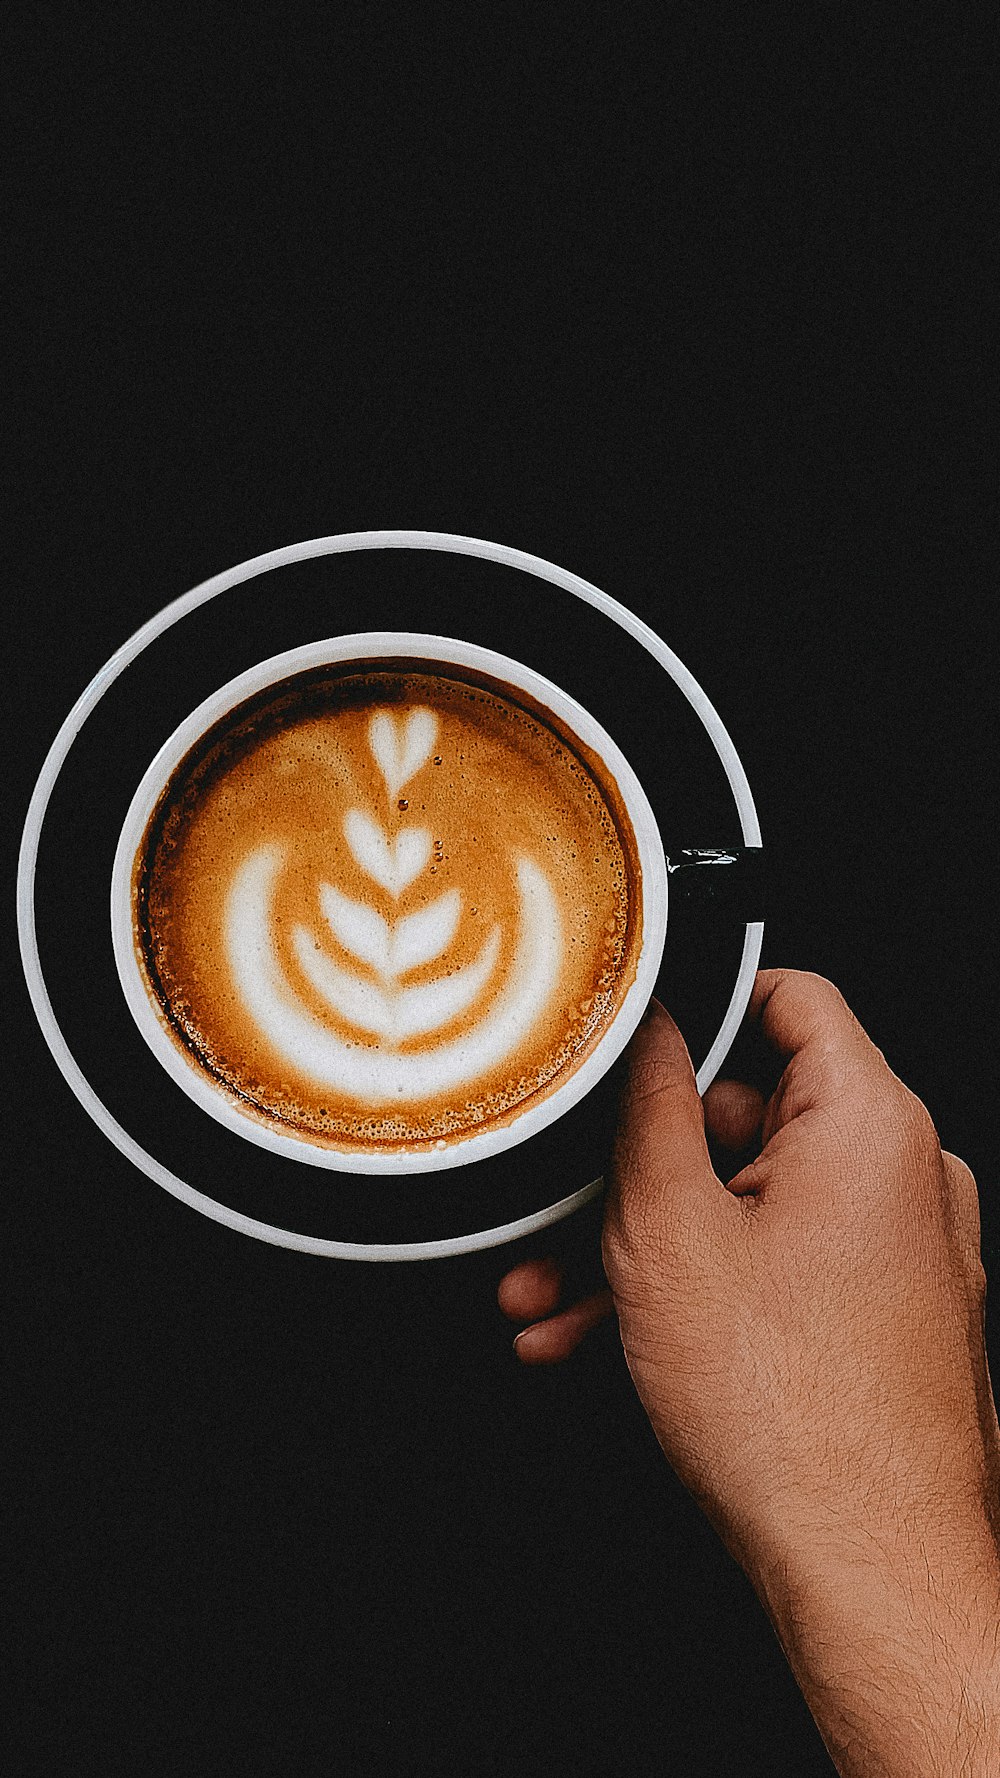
{"x": 388, "y": 903}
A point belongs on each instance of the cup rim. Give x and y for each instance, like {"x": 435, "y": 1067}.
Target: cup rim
{"x": 448, "y": 651}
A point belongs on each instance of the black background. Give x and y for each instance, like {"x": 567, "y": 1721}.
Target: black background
{"x": 696, "y": 315}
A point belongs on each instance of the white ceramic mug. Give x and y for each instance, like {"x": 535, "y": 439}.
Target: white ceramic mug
{"x": 436, "y": 650}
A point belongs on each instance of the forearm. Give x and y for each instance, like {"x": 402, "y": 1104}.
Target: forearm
{"x": 898, "y": 1660}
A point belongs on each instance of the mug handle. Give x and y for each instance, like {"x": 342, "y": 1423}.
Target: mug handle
{"x": 726, "y": 880}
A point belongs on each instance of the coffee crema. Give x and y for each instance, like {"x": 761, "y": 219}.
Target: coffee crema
{"x": 387, "y": 905}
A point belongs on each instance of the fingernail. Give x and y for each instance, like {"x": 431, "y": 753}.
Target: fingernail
{"x": 525, "y": 1331}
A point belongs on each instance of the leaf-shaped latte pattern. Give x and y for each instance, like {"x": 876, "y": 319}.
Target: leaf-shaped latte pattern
{"x": 391, "y": 950}
{"x": 401, "y": 747}
{"x": 419, "y": 938}
{"x": 403, "y": 1012}
{"x": 360, "y": 929}
{"x": 393, "y": 864}
{"x": 390, "y": 947}
{"x": 386, "y": 1076}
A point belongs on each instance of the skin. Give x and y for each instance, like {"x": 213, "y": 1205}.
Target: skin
{"x": 807, "y": 1340}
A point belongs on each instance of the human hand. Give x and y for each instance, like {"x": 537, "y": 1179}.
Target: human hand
{"x": 808, "y": 1341}
{"x": 748, "y": 1314}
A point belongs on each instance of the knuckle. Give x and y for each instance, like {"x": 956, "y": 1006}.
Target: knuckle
{"x": 824, "y": 992}
{"x": 821, "y": 984}
{"x": 898, "y": 1108}
{"x": 961, "y": 1174}
{"x": 963, "y": 1203}
{"x": 920, "y": 1124}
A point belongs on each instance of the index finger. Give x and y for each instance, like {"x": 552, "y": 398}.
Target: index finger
{"x": 805, "y": 1017}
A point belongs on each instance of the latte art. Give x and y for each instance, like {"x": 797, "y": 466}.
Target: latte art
{"x": 383, "y": 905}
{"x": 389, "y": 1074}
{"x": 383, "y": 1006}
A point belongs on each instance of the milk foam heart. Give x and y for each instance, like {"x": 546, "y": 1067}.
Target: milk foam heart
{"x": 401, "y": 748}
{"x": 371, "y": 968}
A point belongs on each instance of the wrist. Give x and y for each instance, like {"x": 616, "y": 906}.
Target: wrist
{"x": 896, "y": 1649}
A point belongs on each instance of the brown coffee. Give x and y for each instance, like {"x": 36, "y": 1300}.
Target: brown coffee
{"x": 388, "y": 905}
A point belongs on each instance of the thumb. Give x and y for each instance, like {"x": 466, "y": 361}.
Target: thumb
{"x": 664, "y": 1200}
